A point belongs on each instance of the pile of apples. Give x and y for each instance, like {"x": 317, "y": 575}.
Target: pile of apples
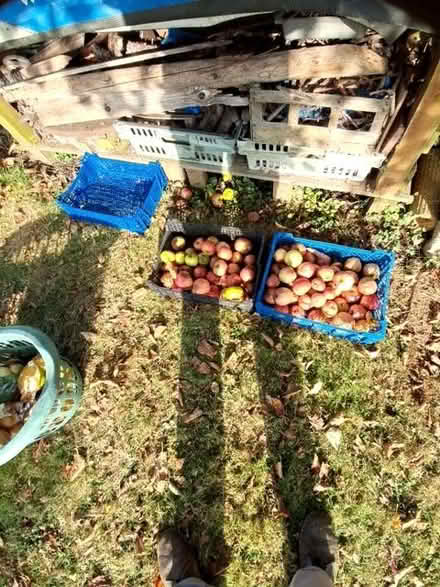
{"x": 210, "y": 267}
{"x": 306, "y": 283}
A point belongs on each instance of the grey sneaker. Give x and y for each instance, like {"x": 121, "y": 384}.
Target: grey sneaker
{"x": 318, "y": 545}
{"x": 176, "y": 560}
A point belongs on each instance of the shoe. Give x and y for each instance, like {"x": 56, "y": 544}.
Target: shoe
{"x": 318, "y": 546}
{"x": 176, "y": 560}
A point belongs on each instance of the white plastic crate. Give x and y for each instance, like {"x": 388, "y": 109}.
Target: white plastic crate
{"x": 289, "y": 160}
{"x": 170, "y": 143}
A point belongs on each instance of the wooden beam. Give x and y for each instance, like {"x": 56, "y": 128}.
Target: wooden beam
{"x": 223, "y": 72}
{"x": 424, "y": 120}
{"x": 119, "y": 104}
{"x": 118, "y": 62}
{"x": 426, "y": 205}
{"x": 12, "y": 122}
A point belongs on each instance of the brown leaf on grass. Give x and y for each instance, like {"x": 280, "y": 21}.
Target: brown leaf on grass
{"x": 139, "y": 544}
{"x": 206, "y": 349}
{"x": 316, "y": 467}
{"x": 316, "y": 388}
{"x": 179, "y": 398}
{"x": 158, "y": 331}
{"x": 337, "y": 420}
{"x": 278, "y": 468}
{"x": 334, "y": 436}
{"x": 179, "y": 464}
{"x": 316, "y": 422}
{"x": 275, "y": 404}
{"x": 269, "y": 341}
{"x": 318, "y": 488}
{"x": 401, "y": 575}
{"x": 435, "y": 359}
{"x": 324, "y": 471}
{"x": 72, "y": 471}
{"x": 200, "y": 366}
{"x": 391, "y": 448}
{"x": 193, "y": 416}
{"x": 214, "y": 366}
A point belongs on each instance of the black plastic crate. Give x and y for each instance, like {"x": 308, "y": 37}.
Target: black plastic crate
{"x": 175, "y": 227}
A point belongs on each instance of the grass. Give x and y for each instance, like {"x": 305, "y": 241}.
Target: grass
{"x": 84, "y": 506}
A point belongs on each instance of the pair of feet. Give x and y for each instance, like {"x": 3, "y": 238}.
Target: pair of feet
{"x": 317, "y": 547}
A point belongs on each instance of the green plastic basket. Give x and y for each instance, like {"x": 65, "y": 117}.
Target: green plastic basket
{"x": 59, "y": 399}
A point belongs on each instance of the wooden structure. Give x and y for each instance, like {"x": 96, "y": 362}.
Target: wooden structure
{"x": 91, "y": 89}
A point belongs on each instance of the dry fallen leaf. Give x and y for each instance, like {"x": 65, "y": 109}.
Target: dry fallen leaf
{"x": 139, "y": 543}
{"x": 315, "y": 465}
{"x": 318, "y": 488}
{"x": 337, "y": 420}
{"x": 316, "y": 422}
{"x": 72, "y": 471}
{"x": 179, "y": 464}
{"x": 200, "y": 366}
{"x": 269, "y": 341}
{"x": 275, "y": 404}
{"x": 158, "y": 331}
{"x": 193, "y": 416}
{"x": 206, "y": 349}
{"x": 278, "y": 468}
{"x": 214, "y": 366}
{"x": 324, "y": 471}
{"x": 173, "y": 488}
{"x": 393, "y": 447}
{"x": 316, "y": 388}
{"x": 179, "y": 397}
{"x": 401, "y": 575}
{"x": 334, "y": 436}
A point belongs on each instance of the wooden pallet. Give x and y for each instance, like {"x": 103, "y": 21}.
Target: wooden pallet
{"x": 293, "y": 131}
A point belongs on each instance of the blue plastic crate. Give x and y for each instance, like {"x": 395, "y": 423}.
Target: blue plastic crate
{"x": 384, "y": 259}
{"x": 115, "y": 193}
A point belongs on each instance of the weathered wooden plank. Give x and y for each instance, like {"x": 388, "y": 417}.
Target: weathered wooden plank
{"x": 118, "y": 62}
{"x": 118, "y": 104}
{"x": 282, "y": 96}
{"x": 314, "y": 136}
{"x": 426, "y": 205}
{"x": 46, "y": 67}
{"x": 324, "y": 61}
{"x": 322, "y": 27}
{"x": 59, "y": 47}
{"x": 424, "y": 120}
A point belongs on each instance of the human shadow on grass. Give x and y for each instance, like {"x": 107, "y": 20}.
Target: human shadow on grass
{"x": 201, "y": 439}
{"x": 51, "y": 272}
{"x": 289, "y": 444}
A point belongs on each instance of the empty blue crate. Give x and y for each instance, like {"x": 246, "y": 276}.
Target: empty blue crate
{"x": 384, "y": 259}
{"x": 115, "y": 193}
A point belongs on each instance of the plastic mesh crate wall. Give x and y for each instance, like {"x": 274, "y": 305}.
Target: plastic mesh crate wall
{"x": 384, "y": 259}
{"x": 175, "y": 227}
{"x": 115, "y": 193}
{"x": 169, "y": 143}
{"x": 285, "y": 159}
